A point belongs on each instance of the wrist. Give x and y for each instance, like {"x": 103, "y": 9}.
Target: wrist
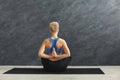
{"x": 50, "y": 56}
{"x": 57, "y": 56}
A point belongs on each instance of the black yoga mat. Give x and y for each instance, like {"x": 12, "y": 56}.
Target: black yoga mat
{"x": 68, "y": 71}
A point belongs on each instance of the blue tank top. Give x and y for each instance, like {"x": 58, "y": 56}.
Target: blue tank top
{"x": 53, "y": 42}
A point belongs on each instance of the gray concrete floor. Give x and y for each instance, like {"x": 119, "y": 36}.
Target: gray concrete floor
{"x": 111, "y": 73}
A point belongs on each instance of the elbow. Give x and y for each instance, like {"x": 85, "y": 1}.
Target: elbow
{"x": 39, "y": 55}
{"x": 68, "y": 55}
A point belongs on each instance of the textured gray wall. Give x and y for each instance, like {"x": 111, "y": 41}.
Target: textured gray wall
{"x": 90, "y": 27}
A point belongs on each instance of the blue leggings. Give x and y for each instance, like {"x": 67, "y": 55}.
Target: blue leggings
{"x": 55, "y": 66}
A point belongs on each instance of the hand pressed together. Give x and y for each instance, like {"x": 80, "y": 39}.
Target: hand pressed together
{"x": 54, "y": 55}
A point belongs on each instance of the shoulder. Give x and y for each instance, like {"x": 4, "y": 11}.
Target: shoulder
{"x": 62, "y": 40}
{"x": 46, "y": 40}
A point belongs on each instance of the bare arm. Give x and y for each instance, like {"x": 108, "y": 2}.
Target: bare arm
{"x": 41, "y": 51}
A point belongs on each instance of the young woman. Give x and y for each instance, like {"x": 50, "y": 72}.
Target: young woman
{"x": 54, "y": 52}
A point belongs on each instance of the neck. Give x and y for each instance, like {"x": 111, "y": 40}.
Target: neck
{"x": 54, "y": 35}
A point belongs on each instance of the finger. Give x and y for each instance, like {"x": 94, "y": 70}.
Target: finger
{"x": 53, "y": 49}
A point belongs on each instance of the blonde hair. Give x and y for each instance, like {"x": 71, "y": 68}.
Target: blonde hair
{"x": 54, "y": 27}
